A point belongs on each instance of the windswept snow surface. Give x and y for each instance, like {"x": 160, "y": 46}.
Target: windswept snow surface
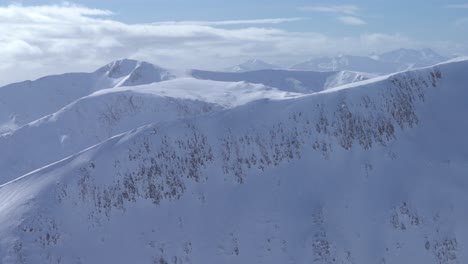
{"x": 371, "y": 172}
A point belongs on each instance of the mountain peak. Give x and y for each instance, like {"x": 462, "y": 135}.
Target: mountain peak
{"x": 253, "y": 64}
{"x": 126, "y": 72}
{"x": 254, "y": 60}
{"x": 119, "y": 68}
{"x": 123, "y": 67}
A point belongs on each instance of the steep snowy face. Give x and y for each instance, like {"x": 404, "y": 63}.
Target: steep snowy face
{"x": 373, "y": 172}
{"x": 252, "y": 65}
{"x": 101, "y": 115}
{"x": 24, "y": 102}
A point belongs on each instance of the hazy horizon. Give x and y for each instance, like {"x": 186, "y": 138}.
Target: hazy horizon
{"x": 50, "y": 37}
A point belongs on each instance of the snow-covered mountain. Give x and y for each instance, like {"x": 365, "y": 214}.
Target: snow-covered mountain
{"x": 106, "y": 113}
{"x": 252, "y": 65}
{"x": 370, "y": 172}
{"x": 287, "y": 80}
{"x": 389, "y": 62}
{"x": 24, "y": 102}
{"x": 345, "y": 62}
{"x": 405, "y": 59}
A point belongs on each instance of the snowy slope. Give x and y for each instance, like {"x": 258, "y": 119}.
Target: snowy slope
{"x": 101, "y": 115}
{"x": 24, "y": 102}
{"x": 373, "y": 172}
{"x": 252, "y": 65}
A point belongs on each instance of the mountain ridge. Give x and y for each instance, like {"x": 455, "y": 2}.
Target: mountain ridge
{"x": 252, "y": 65}
{"x": 53, "y": 92}
{"x": 384, "y": 63}
{"x": 103, "y": 114}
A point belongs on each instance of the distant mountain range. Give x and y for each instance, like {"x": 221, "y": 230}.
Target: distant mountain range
{"x": 388, "y": 62}
{"x": 406, "y": 59}
{"x": 252, "y": 65}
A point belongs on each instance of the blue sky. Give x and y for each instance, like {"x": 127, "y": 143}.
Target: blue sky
{"x": 425, "y": 19}
{"x": 212, "y": 34}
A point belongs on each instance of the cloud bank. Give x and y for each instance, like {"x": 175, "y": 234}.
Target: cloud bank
{"x": 40, "y": 40}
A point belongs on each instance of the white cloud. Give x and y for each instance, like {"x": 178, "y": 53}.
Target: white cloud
{"x": 20, "y": 48}
{"x": 347, "y": 14}
{"x": 233, "y": 22}
{"x": 461, "y": 22}
{"x": 339, "y": 9}
{"x": 18, "y": 14}
{"x": 42, "y": 40}
{"x": 458, "y": 6}
{"x": 350, "y": 20}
